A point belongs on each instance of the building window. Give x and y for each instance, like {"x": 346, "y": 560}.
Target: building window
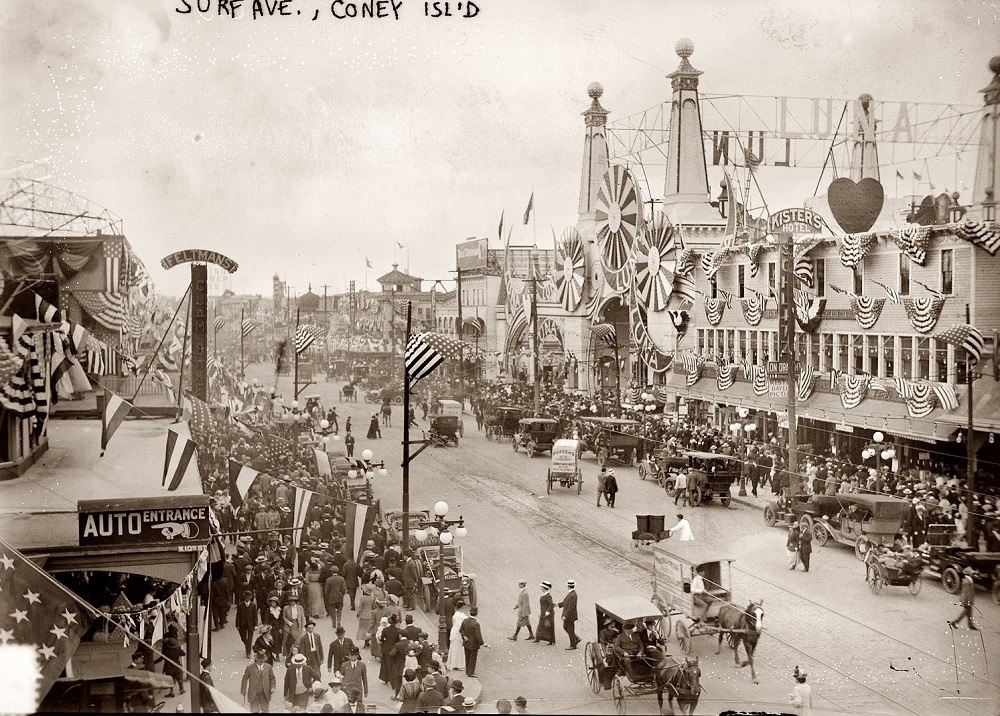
{"x": 819, "y": 276}
{"x": 715, "y": 289}
{"x": 947, "y": 271}
{"x": 859, "y": 279}
{"x": 904, "y": 275}
{"x": 772, "y": 272}
{"x": 741, "y": 277}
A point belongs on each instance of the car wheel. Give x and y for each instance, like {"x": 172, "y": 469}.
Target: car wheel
{"x": 951, "y": 580}
{"x": 770, "y": 518}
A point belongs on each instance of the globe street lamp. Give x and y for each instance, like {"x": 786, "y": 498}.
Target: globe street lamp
{"x": 879, "y": 452}
{"x": 440, "y": 527}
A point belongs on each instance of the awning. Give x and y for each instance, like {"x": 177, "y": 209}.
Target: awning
{"x": 985, "y": 407}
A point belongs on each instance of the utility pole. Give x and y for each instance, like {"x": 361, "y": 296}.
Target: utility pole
{"x": 458, "y": 332}
{"x": 786, "y": 338}
{"x": 392, "y": 332}
{"x": 971, "y": 532}
{"x": 534, "y": 340}
{"x": 350, "y": 327}
{"x": 326, "y": 322}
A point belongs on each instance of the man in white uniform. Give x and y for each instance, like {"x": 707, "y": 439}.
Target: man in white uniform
{"x": 682, "y": 529}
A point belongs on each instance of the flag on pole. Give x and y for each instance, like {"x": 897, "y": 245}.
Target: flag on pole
{"x": 300, "y": 512}
{"x": 605, "y": 332}
{"x": 178, "y": 460}
{"x": 247, "y": 327}
{"x": 219, "y": 322}
{"x": 965, "y": 336}
{"x": 500, "y": 228}
{"x": 934, "y": 292}
{"x": 115, "y": 411}
{"x": 891, "y": 292}
{"x": 359, "y": 520}
{"x": 43, "y": 620}
{"x": 241, "y": 479}
{"x": 426, "y": 351}
{"x": 305, "y": 336}
{"x": 368, "y": 264}
{"x": 531, "y": 205}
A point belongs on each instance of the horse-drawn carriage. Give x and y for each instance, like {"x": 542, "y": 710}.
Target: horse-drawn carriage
{"x": 711, "y": 474}
{"x": 895, "y": 569}
{"x": 610, "y": 437}
{"x": 694, "y": 584}
{"x": 535, "y": 435}
{"x": 856, "y": 519}
{"x": 647, "y": 672}
{"x": 501, "y": 422}
{"x": 565, "y": 468}
{"x": 453, "y": 576}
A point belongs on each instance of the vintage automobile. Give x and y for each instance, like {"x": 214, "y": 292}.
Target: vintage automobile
{"x": 720, "y": 471}
{"x": 444, "y": 429}
{"x": 451, "y": 407}
{"x": 501, "y": 422}
{"x": 356, "y": 474}
{"x": 565, "y": 468}
{"x": 856, "y": 519}
{"x": 535, "y": 435}
{"x": 450, "y": 574}
{"x": 610, "y": 437}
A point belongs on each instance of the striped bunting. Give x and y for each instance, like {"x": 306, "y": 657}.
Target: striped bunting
{"x": 945, "y": 394}
{"x": 753, "y": 308}
{"x": 241, "y": 478}
{"x": 39, "y": 379}
{"x": 923, "y": 312}
{"x": 808, "y": 311}
{"x": 305, "y": 336}
{"x": 726, "y": 376}
{"x": 967, "y": 337}
{"x": 902, "y": 387}
{"x": 987, "y": 237}
{"x": 605, "y": 332}
{"x": 220, "y": 321}
{"x": 758, "y": 376}
{"x": 300, "y": 512}
{"x": 714, "y": 309}
{"x": 753, "y": 253}
{"x": 746, "y": 368}
{"x": 426, "y": 351}
{"x": 913, "y": 241}
{"x": 854, "y": 248}
{"x": 115, "y": 411}
{"x": 45, "y": 311}
{"x": 804, "y": 270}
{"x": 694, "y": 375}
{"x": 892, "y": 293}
{"x": 853, "y": 389}
{"x": 920, "y": 402}
{"x": 685, "y": 262}
{"x": 15, "y": 394}
{"x": 178, "y": 461}
{"x": 711, "y": 262}
{"x": 805, "y": 383}
{"x": 866, "y": 310}
{"x": 684, "y": 287}
{"x": 247, "y": 327}
{"x": 634, "y": 394}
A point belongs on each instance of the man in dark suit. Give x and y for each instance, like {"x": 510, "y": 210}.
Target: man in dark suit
{"x": 334, "y": 591}
{"x": 447, "y": 609}
{"x": 312, "y": 646}
{"x": 351, "y": 573}
{"x": 246, "y": 619}
{"x": 340, "y": 648}
{"x": 569, "y": 614}
{"x": 411, "y": 631}
{"x": 354, "y": 703}
{"x": 411, "y": 580}
{"x": 652, "y": 642}
{"x": 299, "y": 679}
{"x": 472, "y": 640}
{"x": 258, "y": 684}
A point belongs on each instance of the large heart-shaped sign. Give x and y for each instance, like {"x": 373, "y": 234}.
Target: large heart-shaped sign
{"x": 855, "y": 206}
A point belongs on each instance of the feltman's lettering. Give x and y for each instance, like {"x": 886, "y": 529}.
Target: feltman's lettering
{"x": 199, "y": 256}
{"x": 370, "y": 8}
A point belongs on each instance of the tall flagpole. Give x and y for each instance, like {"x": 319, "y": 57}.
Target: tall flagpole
{"x": 295, "y": 385}
{"x": 406, "y": 438}
{"x": 243, "y": 364}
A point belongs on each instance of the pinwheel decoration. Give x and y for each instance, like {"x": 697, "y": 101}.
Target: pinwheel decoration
{"x": 619, "y": 219}
{"x": 569, "y": 271}
{"x": 655, "y": 264}
{"x": 649, "y": 353}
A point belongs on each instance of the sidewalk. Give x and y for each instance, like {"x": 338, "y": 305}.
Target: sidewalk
{"x": 764, "y": 495}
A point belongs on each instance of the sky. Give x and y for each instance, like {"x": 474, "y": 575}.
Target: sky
{"x": 303, "y": 146}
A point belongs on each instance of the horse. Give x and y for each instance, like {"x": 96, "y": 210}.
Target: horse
{"x": 681, "y": 681}
{"x": 348, "y": 393}
{"x": 746, "y": 625}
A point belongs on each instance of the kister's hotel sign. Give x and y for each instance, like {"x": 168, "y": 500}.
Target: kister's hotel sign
{"x": 171, "y": 521}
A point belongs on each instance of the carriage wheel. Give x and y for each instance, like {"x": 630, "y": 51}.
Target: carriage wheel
{"x": 513, "y": 443}
{"x": 530, "y": 449}
{"x": 874, "y": 580}
{"x": 951, "y": 580}
{"x": 471, "y": 593}
{"x": 684, "y": 637}
{"x": 397, "y": 400}
{"x": 548, "y": 483}
{"x": 593, "y": 666}
{"x": 915, "y": 586}
{"x": 430, "y": 604}
{"x": 770, "y": 518}
{"x": 635, "y": 545}
{"x": 579, "y": 481}
{"x": 602, "y": 457}
{"x": 726, "y": 499}
{"x": 861, "y": 548}
{"x": 642, "y": 471}
{"x": 618, "y": 694}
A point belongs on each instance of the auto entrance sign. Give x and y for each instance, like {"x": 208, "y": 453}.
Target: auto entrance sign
{"x": 174, "y": 521}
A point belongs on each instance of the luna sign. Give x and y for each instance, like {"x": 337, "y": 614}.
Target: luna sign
{"x": 128, "y": 522}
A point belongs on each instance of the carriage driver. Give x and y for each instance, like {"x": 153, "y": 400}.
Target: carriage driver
{"x": 700, "y": 599}
{"x": 653, "y": 644}
{"x": 628, "y": 645}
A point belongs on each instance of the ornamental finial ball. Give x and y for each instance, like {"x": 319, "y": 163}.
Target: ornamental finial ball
{"x": 594, "y": 90}
{"x": 684, "y": 47}
{"x": 995, "y": 64}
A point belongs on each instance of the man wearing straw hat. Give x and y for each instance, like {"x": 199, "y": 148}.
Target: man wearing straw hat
{"x": 569, "y": 614}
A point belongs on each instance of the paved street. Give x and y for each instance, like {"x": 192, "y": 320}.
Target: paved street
{"x": 890, "y": 653}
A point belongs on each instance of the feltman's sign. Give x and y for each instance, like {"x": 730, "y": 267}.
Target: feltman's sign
{"x": 169, "y": 521}
{"x": 203, "y": 256}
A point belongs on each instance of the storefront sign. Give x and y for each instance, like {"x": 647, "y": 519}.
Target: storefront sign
{"x": 471, "y": 254}
{"x": 844, "y": 428}
{"x": 171, "y": 521}
{"x": 199, "y": 256}
{"x": 795, "y": 221}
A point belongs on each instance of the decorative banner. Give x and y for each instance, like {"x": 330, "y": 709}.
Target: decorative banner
{"x": 913, "y": 241}
{"x": 923, "y": 312}
{"x": 808, "y": 313}
{"x": 726, "y": 376}
{"x": 654, "y": 266}
{"x": 758, "y": 375}
{"x": 753, "y": 253}
{"x": 685, "y": 262}
{"x": 619, "y": 218}
{"x": 853, "y": 389}
{"x": 695, "y": 373}
{"x": 684, "y": 288}
{"x": 806, "y": 383}
{"x": 866, "y": 310}
{"x": 711, "y": 262}
{"x": 854, "y": 248}
{"x": 945, "y": 394}
{"x": 714, "y": 310}
{"x": 745, "y": 368}
{"x": 967, "y": 337}
{"x": 753, "y": 308}
{"x": 569, "y": 275}
{"x": 986, "y": 237}
{"x": 920, "y": 402}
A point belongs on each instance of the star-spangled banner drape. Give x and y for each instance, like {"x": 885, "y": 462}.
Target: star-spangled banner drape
{"x": 967, "y": 337}
{"x": 36, "y": 612}
{"x": 305, "y": 336}
{"x": 247, "y": 327}
{"x": 426, "y": 351}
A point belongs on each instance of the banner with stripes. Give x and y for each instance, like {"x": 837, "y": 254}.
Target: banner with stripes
{"x": 426, "y": 351}
{"x": 323, "y": 467}
{"x": 300, "y": 513}
{"x": 854, "y": 248}
{"x": 726, "y": 376}
{"x": 116, "y": 409}
{"x": 923, "y": 312}
{"x": 913, "y": 241}
{"x": 180, "y": 462}
{"x": 753, "y": 253}
{"x": 220, "y": 321}
{"x": 753, "y": 308}
{"x": 605, "y": 332}
{"x": 685, "y": 262}
{"x": 805, "y": 383}
{"x": 866, "y": 310}
{"x": 684, "y": 288}
{"x": 241, "y": 479}
{"x": 853, "y": 389}
{"x": 966, "y": 337}
{"x": 359, "y": 520}
{"x": 305, "y": 336}
{"x": 804, "y": 270}
{"x": 987, "y": 237}
{"x": 920, "y": 402}
{"x": 946, "y": 397}
{"x": 759, "y": 379}
{"x": 808, "y": 310}
{"x": 247, "y": 327}
{"x": 694, "y": 375}
{"x": 892, "y": 293}
{"x": 714, "y": 310}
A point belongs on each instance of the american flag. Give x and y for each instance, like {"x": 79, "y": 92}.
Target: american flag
{"x": 219, "y": 322}
{"x": 305, "y": 336}
{"x": 605, "y": 332}
{"x": 965, "y": 336}
{"x": 426, "y": 351}
{"x": 112, "y": 265}
{"x": 247, "y": 327}
{"x": 891, "y": 292}
{"x": 35, "y": 612}
{"x": 200, "y": 419}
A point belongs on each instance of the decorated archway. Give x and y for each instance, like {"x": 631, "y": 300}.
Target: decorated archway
{"x": 609, "y": 345}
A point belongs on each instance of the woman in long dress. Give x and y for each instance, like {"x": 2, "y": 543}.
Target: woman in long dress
{"x": 456, "y": 654}
{"x": 546, "y": 629}
{"x": 366, "y": 603}
{"x": 314, "y": 595}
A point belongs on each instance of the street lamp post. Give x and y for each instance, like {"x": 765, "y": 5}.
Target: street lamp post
{"x": 875, "y": 449}
{"x": 741, "y": 430}
{"x": 440, "y": 526}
